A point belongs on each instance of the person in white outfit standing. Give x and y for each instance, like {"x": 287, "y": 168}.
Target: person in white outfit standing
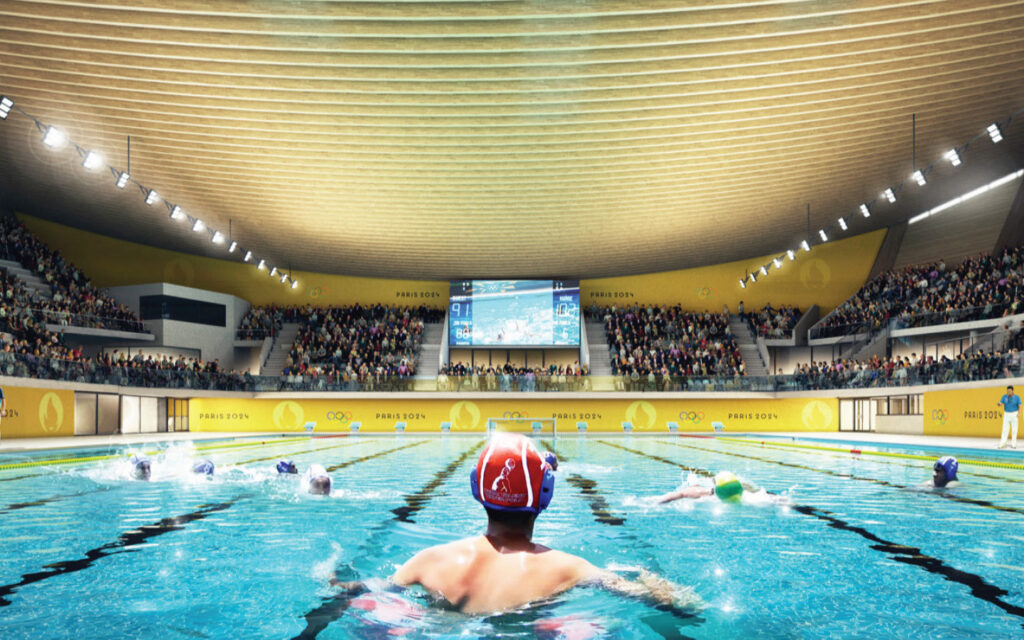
{"x": 1011, "y": 411}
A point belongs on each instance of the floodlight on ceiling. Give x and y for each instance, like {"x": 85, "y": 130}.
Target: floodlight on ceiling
{"x": 824, "y": 237}
{"x": 5, "y": 106}
{"x": 843, "y": 225}
{"x": 778, "y": 263}
{"x": 262, "y": 265}
{"x": 92, "y": 161}
{"x": 295, "y": 284}
{"x": 953, "y": 157}
{"x": 806, "y": 246}
{"x": 54, "y": 138}
{"x": 791, "y": 254}
{"x": 248, "y": 256}
{"x": 995, "y": 132}
{"x": 743, "y": 283}
{"x": 198, "y": 225}
{"x": 919, "y": 178}
{"x": 122, "y": 180}
{"x": 152, "y": 197}
{"x": 864, "y": 211}
{"x": 284, "y": 278}
{"x": 753, "y": 277}
{"x": 889, "y": 195}
{"x": 177, "y": 213}
{"x": 273, "y": 272}
{"x": 218, "y": 238}
{"x": 764, "y": 270}
{"x": 232, "y": 247}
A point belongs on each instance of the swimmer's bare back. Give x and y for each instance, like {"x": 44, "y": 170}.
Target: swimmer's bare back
{"x": 480, "y": 575}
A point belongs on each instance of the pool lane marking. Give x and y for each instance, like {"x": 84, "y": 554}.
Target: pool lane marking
{"x": 334, "y": 607}
{"x": 123, "y": 544}
{"x": 349, "y": 463}
{"x": 884, "y": 483}
{"x": 83, "y": 459}
{"x": 856, "y": 452}
{"x": 885, "y": 454}
{"x": 415, "y": 502}
{"x": 593, "y": 496}
{"x": 299, "y": 453}
{"x": 979, "y": 587}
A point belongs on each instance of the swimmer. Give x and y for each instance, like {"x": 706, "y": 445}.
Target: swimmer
{"x": 945, "y": 473}
{"x": 317, "y": 481}
{"x": 204, "y": 466}
{"x": 551, "y": 459}
{"x": 140, "y": 467}
{"x": 286, "y": 466}
{"x": 727, "y": 488}
{"x": 503, "y": 568}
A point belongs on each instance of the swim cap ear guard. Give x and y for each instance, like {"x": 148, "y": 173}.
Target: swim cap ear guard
{"x": 948, "y": 465}
{"x": 551, "y": 459}
{"x": 728, "y": 487}
{"x": 508, "y": 486}
{"x": 286, "y": 466}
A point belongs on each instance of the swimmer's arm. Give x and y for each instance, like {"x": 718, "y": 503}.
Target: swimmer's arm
{"x": 686, "y": 492}
{"x": 648, "y": 587}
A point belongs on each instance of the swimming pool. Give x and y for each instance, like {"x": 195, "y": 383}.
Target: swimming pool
{"x": 849, "y": 551}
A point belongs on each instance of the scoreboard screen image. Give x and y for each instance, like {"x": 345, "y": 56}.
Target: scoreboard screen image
{"x": 514, "y": 313}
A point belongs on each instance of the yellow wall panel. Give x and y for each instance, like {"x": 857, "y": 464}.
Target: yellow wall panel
{"x": 826, "y": 276}
{"x": 964, "y": 412}
{"x": 37, "y": 413}
{"x": 426, "y": 415}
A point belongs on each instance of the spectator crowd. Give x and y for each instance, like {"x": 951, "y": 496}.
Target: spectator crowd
{"x": 73, "y": 300}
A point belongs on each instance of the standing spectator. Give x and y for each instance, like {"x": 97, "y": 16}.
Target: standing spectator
{"x": 1011, "y": 409}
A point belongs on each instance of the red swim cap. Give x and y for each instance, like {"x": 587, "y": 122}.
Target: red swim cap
{"x": 511, "y": 475}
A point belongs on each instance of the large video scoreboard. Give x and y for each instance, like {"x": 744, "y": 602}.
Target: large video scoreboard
{"x": 514, "y": 313}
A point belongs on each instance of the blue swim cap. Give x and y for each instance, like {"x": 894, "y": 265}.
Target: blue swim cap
{"x": 203, "y": 466}
{"x": 286, "y": 466}
{"x": 949, "y": 466}
{"x": 551, "y": 459}
{"x": 140, "y": 467}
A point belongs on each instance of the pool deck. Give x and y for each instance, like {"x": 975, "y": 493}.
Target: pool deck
{"x": 832, "y": 439}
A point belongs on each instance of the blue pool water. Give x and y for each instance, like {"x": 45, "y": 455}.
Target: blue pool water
{"x": 839, "y": 548}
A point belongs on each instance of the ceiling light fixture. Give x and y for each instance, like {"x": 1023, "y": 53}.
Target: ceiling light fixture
{"x": 953, "y": 157}
{"x": 93, "y": 161}
{"x": 995, "y": 132}
{"x": 805, "y": 245}
{"x": 5, "y": 107}
{"x": 864, "y": 211}
{"x": 218, "y": 238}
{"x": 778, "y": 263}
{"x": 152, "y": 197}
{"x": 248, "y": 256}
{"x": 919, "y": 178}
{"x": 889, "y": 195}
{"x": 198, "y": 226}
{"x": 234, "y": 245}
{"x": 843, "y": 225}
{"x": 262, "y": 265}
{"x": 54, "y": 138}
{"x": 122, "y": 180}
{"x": 178, "y": 214}
{"x": 791, "y": 254}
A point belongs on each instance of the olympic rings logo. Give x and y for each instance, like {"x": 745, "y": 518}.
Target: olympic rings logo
{"x": 696, "y": 417}
{"x": 317, "y": 292}
{"x": 940, "y": 415}
{"x": 514, "y": 414}
{"x": 339, "y": 416}
{"x": 704, "y": 292}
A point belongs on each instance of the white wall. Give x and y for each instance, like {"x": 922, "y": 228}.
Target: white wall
{"x": 213, "y": 343}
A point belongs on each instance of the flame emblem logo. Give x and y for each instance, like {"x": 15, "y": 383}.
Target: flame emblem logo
{"x": 817, "y": 415}
{"x": 288, "y": 415}
{"x": 642, "y": 414}
{"x": 464, "y": 415}
{"x": 51, "y": 413}
{"x": 177, "y": 271}
{"x": 815, "y": 274}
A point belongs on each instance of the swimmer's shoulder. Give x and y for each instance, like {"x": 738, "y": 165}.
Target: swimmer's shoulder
{"x": 429, "y": 559}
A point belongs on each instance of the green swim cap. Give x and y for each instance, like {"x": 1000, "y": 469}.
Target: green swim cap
{"x": 728, "y": 487}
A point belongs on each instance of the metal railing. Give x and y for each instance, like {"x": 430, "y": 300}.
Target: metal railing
{"x": 138, "y": 375}
{"x": 80, "y": 320}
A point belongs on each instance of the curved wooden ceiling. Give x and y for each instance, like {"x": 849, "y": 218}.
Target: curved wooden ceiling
{"x": 447, "y": 139}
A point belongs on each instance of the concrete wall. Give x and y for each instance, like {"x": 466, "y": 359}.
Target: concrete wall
{"x": 213, "y": 343}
